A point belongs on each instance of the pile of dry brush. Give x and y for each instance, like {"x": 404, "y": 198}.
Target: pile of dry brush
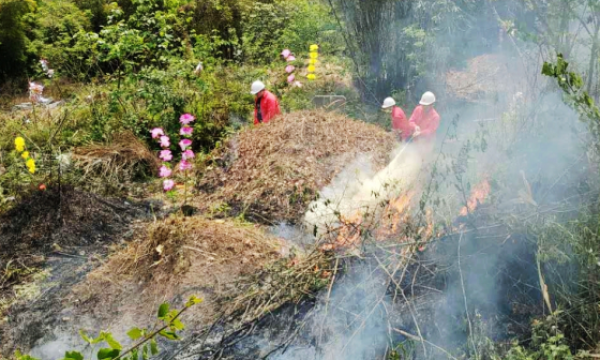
{"x": 273, "y": 171}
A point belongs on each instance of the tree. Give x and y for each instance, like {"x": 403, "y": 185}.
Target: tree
{"x": 13, "y": 41}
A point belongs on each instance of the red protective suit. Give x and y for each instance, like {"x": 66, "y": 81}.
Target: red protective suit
{"x": 428, "y": 123}
{"x": 401, "y": 124}
{"x": 269, "y": 107}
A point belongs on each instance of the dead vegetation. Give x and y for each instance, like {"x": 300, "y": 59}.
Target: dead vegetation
{"x": 171, "y": 259}
{"x": 125, "y": 159}
{"x": 281, "y": 283}
{"x": 271, "y": 172}
{"x": 483, "y": 78}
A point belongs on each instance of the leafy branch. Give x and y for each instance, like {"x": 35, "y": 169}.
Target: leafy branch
{"x": 580, "y": 100}
{"x": 146, "y": 339}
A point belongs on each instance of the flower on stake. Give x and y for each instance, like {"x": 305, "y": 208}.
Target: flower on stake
{"x": 165, "y": 142}
{"x": 187, "y": 155}
{"x": 19, "y": 144}
{"x": 30, "y": 163}
{"x": 185, "y": 119}
{"x": 289, "y": 57}
{"x": 164, "y": 172}
{"x": 168, "y": 184}
{"x": 186, "y": 131}
{"x": 314, "y": 55}
{"x": 166, "y": 155}
{"x": 184, "y": 165}
{"x": 185, "y": 143}
{"x": 20, "y": 147}
{"x": 157, "y": 132}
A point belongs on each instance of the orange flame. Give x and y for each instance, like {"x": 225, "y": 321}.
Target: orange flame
{"x": 478, "y": 196}
{"x": 396, "y": 221}
{"x": 395, "y": 216}
{"x": 348, "y": 233}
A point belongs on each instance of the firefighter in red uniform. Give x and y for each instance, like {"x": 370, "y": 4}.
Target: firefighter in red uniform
{"x": 400, "y": 125}
{"x": 425, "y": 119}
{"x": 266, "y": 105}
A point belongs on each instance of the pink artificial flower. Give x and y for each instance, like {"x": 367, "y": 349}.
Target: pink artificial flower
{"x": 165, "y": 141}
{"x": 188, "y": 154}
{"x": 286, "y": 53}
{"x": 186, "y": 119}
{"x": 168, "y": 184}
{"x": 290, "y": 69}
{"x": 184, "y": 165}
{"x": 164, "y": 172}
{"x": 166, "y": 155}
{"x": 298, "y": 84}
{"x": 291, "y": 58}
{"x": 291, "y": 78}
{"x": 156, "y": 132}
{"x": 186, "y": 131}
{"x": 185, "y": 143}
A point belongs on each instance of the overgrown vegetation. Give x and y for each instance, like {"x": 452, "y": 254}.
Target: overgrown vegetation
{"x": 122, "y": 68}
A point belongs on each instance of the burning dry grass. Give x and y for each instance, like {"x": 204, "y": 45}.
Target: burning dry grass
{"x": 478, "y": 195}
{"x": 398, "y": 221}
{"x": 281, "y": 166}
{"x": 175, "y": 258}
{"x": 123, "y": 160}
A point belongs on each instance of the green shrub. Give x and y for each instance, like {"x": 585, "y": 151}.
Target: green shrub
{"x": 13, "y": 40}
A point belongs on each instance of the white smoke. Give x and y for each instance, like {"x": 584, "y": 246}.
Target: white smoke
{"x": 358, "y": 190}
{"x": 348, "y": 323}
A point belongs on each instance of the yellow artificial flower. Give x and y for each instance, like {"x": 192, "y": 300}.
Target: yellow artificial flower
{"x": 20, "y": 144}
{"x": 25, "y": 155}
{"x": 314, "y": 55}
{"x": 311, "y": 76}
{"x": 30, "y": 165}
{"x": 314, "y": 47}
{"x": 312, "y": 61}
{"x": 311, "y": 68}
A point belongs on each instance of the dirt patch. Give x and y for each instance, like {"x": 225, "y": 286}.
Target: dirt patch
{"x": 170, "y": 261}
{"x": 48, "y": 242}
{"x": 272, "y": 172}
{"x": 50, "y": 220}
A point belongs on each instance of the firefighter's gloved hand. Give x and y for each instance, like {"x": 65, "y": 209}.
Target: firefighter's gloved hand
{"x": 417, "y": 131}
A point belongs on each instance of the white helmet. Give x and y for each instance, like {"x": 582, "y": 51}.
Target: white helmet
{"x": 388, "y": 102}
{"x": 257, "y": 87}
{"x": 427, "y": 99}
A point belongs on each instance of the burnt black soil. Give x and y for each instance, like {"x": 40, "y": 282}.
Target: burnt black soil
{"x": 49, "y": 220}
{"x": 64, "y": 234}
